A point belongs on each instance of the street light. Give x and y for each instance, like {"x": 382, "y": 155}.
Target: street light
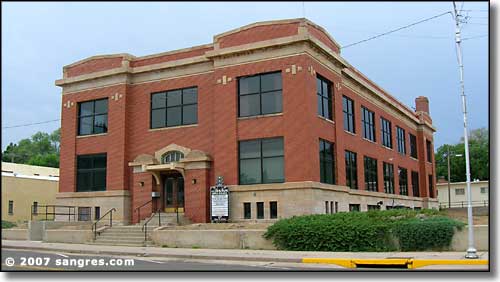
{"x": 449, "y": 186}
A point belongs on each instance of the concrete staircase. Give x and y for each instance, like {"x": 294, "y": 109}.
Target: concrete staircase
{"x": 167, "y": 219}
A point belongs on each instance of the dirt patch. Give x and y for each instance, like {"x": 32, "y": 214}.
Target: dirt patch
{"x": 221, "y": 226}
{"x": 461, "y": 215}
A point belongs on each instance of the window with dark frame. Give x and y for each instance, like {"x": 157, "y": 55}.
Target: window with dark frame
{"x": 326, "y": 207}
{"x": 93, "y": 117}
{"x": 400, "y": 137}
{"x": 260, "y": 94}
{"x": 388, "y": 178}
{"x": 414, "y": 184}
{"x": 260, "y": 210}
{"x": 11, "y": 207}
{"x": 35, "y": 207}
{"x": 348, "y": 109}
{"x": 386, "y": 132}
{"x": 326, "y": 162}
{"x": 373, "y": 207}
{"x": 331, "y": 207}
{"x": 174, "y": 108}
{"x": 273, "y": 209}
{"x": 429, "y": 150}
{"x": 97, "y": 213}
{"x": 324, "y": 96}
{"x": 354, "y": 208}
{"x": 431, "y": 185}
{"x": 247, "y": 210}
{"x": 91, "y": 173}
{"x": 368, "y": 121}
{"x": 84, "y": 213}
{"x": 403, "y": 181}
{"x": 413, "y": 146}
{"x": 351, "y": 169}
{"x": 261, "y": 161}
{"x": 371, "y": 174}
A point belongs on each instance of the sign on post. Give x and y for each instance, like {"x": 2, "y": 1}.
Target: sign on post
{"x": 219, "y": 201}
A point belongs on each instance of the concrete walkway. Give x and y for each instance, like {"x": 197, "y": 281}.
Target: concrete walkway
{"x": 228, "y": 254}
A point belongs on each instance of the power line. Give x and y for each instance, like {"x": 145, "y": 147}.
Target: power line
{"x": 474, "y": 37}
{"x": 30, "y": 124}
{"x": 392, "y": 31}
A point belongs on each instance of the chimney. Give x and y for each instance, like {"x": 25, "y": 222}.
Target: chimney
{"x": 422, "y": 104}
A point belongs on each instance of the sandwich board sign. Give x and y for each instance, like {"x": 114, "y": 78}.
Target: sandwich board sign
{"x": 219, "y": 202}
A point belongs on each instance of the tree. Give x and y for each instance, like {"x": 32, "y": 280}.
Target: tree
{"x": 478, "y": 156}
{"x": 41, "y": 149}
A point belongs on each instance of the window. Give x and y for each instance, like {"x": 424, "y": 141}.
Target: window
{"x": 91, "y": 173}
{"x": 326, "y": 207}
{"x": 413, "y": 146}
{"x": 460, "y": 191}
{"x": 260, "y": 94}
{"x": 414, "y": 184}
{"x": 326, "y": 162}
{"x": 428, "y": 144}
{"x": 324, "y": 95}
{"x": 484, "y": 190}
{"x": 403, "y": 181}
{"x": 351, "y": 170}
{"x": 336, "y": 207}
{"x": 373, "y": 207}
{"x": 431, "y": 186}
{"x": 174, "y": 107}
{"x": 247, "y": 210}
{"x": 348, "y": 109}
{"x": 172, "y": 156}
{"x": 93, "y": 117}
{"x": 261, "y": 161}
{"x": 35, "y": 207}
{"x": 368, "y": 120}
{"x": 97, "y": 213}
{"x": 386, "y": 132}
{"x": 11, "y": 207}
{"x": 260, "y": 210}
{"x": 388, "y": 178}
{"x": 400, "y": 136}
{"x": 354, "y": 208}
{"x": 371, "y": 174}
{"x": 331, "y": 207}
{"x": 83, "y": 213}
{"x": 417, "y": 208}
{"x": 273, "y": 208}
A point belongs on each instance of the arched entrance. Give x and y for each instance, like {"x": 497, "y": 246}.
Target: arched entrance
{"x": 173, "y": 191}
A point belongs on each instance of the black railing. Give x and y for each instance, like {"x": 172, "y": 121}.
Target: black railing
{"x": 145, "y": 225}
{"x": 138, "y": 209}
{"x": 49, "y": 212}
{"x": 94, "y": 226}
{"x": 463, "y": 204}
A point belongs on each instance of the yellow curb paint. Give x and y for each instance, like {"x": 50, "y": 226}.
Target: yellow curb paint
{"x": 410, "y": 263}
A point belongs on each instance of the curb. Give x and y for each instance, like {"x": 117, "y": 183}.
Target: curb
{"x": 405, "y": 263}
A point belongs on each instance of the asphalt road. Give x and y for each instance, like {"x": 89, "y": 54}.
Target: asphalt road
{"x": 26, "y": 260}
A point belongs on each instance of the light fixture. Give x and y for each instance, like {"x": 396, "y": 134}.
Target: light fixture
{"x": 141, "y": 183}
{"x": 193, "y": 181}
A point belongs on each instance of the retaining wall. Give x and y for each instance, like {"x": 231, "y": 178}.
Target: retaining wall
{"x": 15, "y": 234}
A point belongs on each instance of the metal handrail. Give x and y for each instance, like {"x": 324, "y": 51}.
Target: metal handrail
{"x": 463, "y": 204}
{"x": 71, "y": 211}
{"x": 145, "y": 225}
{"x": 94, "y": 226}
{"x": 138, "y": 209}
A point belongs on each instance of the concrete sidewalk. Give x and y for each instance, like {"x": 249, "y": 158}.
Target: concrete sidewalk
{"x": 229, "y": 254}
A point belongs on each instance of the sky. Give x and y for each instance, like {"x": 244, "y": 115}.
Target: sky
{"x": 38, "y": 39}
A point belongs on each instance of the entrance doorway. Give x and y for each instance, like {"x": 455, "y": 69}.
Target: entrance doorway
{"x": 173, "y": 192}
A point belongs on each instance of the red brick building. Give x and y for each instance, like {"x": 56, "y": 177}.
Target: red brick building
{"x": 272, "y": 107}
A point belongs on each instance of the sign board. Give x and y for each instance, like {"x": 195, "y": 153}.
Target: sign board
{"x": 219, "y": 202}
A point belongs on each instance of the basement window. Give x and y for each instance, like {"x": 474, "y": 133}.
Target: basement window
{"x": 260, "y": 210}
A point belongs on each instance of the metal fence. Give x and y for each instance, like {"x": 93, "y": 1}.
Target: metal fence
{"x": 463, "y": 204}
{"x": 61, "y": 213}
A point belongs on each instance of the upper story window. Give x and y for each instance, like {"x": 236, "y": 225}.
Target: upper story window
{"x": 324, "y": 94}
{"x": 400, "y": 137}
{"x": 260, "y": 94}
{"x": 403, "y": 181}
{"x": 174, "y": 108}
{"x": 91, "y": 173}
{"x": 348, "y": 109}
{"x": 172, "y": 156}
{"x": 368, "y": 120}
{"x": 93, "y": 117}
{"x": 386, "y": 132}
{"x": 429, "y": 150}
{"x": 371, "y": 174}
{"x": 413, "y": 146}
{"x": 326, "y": 162}
{"x": 431, "y": 185}
{"x": 388, "y": 178}
{"x": 261, "y": 161}
{"x": 351, "y": 169}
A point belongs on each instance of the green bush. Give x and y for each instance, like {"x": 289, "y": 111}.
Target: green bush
{"x": 8, "y": 224}
{"x": 363, "y": 231}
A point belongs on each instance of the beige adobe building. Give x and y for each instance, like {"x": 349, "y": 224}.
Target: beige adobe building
{"x": 24, "y": 186}
{"x": 458, "y": 191}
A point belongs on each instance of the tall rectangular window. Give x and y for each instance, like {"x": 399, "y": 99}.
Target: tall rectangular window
{"x": 273, "y": 209}
{"x": 400, "y": 137}
{"x": 371, "y": 174}
{"x": 326, "y": 162}
{"x": 431, "y": 185}
{"x": 386, "y": 132}
{"x": 388, "y": 178}
{"x": 351, "y": 170}
{"x": 93, "y": 117}
{"x": 35, "y": 207}
{"x": 261, "y": 161}
{"x": 403, "y": 181}
{"x": 326, "y": 207}
{"x": 91, "y": 173}
{"x": 247, "y": 210}
{"x": 429, "y": 150}
{"x": 413, "y": 146}
{"x": 97, "y": 213}
{"x": 260, "y": 94}
{"x": 11, "y": 207}
{"x": 174, "y": 107}
{"x": 348, "y": 109}
{"x": 260, "y": 210}
{"x": 368, "y": 120}
{"x": 414, "y": 184}
{"x": 324, "y": 96}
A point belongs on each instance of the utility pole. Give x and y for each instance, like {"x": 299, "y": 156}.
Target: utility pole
{"x": 449, "y": 186}
{"x": 471, "y": 251}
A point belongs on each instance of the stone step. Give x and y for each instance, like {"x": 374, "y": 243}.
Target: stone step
{"x": 123, "y": 244}
{"x": 121, "y": 236}
{"x": 120, "y": 240}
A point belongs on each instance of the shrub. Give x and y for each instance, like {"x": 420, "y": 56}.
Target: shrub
{"x": 8, "y": 224}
